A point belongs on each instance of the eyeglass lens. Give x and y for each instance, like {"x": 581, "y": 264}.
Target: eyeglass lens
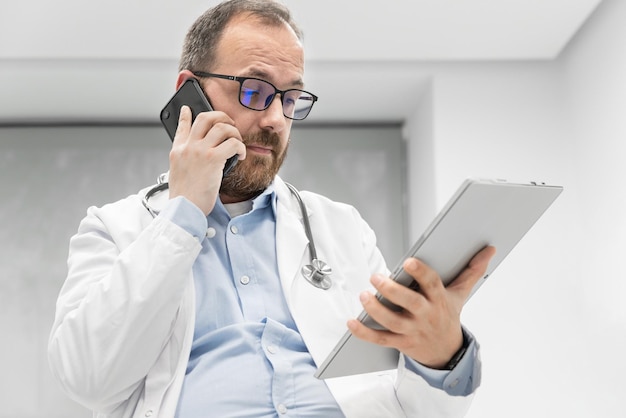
{"x": 258, "y": 95}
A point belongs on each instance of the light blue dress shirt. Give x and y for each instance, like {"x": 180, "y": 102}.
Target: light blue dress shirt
{"x": 247, "y": 357}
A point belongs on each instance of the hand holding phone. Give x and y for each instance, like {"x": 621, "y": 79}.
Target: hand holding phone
{"x": 192, "y": 95}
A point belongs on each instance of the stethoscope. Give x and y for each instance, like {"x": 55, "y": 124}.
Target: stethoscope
{"x": 317, "y": 273}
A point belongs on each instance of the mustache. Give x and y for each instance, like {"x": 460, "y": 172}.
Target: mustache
{"x": 264, "y": 138}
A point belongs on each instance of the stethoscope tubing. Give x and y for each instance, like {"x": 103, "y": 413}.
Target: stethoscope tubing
{"x": 317, "y": 272}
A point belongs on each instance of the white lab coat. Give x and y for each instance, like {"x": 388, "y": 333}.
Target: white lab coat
{"x": 125, "y": 315}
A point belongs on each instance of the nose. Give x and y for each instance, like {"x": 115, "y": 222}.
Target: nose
{"x": 273, "y": 118}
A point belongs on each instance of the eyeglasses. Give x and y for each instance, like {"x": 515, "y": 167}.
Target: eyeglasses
{"x": 257, "y": 94}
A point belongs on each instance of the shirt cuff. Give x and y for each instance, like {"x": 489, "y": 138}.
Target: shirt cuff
{"x": 186, "y": 215}
{"x": 460, "y": 381}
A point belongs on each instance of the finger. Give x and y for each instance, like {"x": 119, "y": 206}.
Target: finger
{"x": 184, "y": 124}
{"x": 405, "y": 297}
{"x": 384, "y": 338}
{"x": 214, "y": 123}
{"x": 428, "y": 280}
{"x": 233, "y": 146}
{"x": 218, "y": 133}
{"x": 394, "y": 321}
{"x": 226, "y": 140}
{"x": 474, "y": 271}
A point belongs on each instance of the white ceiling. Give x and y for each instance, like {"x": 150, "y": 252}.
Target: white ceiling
{"x": 73, "y": 60}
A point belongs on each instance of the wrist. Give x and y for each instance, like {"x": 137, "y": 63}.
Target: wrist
{"x": 458, "y": 356}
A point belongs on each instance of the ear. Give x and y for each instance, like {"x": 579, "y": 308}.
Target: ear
{"x": 183, "y": 76}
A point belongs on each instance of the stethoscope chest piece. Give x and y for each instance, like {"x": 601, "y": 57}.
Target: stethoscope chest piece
{"x": 318, "y": 274}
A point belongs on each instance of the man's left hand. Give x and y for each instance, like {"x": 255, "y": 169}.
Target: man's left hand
{"x": 428, "y": 328}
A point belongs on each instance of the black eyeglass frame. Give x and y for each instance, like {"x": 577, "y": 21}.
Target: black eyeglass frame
{"x": 241, "y": 80}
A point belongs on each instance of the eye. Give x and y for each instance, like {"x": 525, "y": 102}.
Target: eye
{"x": 254, "y": 93}
{"x": 291, "y": 97}
{"x": 249, "y": 96}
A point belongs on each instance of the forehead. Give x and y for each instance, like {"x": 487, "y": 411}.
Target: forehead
{"x": 251, "y": 47}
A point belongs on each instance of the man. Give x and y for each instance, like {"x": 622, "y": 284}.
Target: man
{"x": 202, "y": 311}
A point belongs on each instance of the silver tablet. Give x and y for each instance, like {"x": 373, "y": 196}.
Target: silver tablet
{"x": 480, "y": 213}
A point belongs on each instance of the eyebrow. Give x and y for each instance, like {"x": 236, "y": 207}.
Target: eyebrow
{"x": 263, "y": 75}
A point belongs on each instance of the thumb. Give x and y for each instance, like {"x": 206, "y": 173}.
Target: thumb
{"x": 475, "y": 270}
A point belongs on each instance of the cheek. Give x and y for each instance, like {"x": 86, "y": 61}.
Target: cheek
{"x": 285, "y": 136}
{"x": 284, "y": 144}
{"x": 245, "y": 120}
{"x": 227, "y": 103}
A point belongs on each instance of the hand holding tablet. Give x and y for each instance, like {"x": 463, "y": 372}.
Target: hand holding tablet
{"x": 481, "y": 213}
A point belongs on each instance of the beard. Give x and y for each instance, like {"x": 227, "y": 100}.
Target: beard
{"x": 251, "y": 176}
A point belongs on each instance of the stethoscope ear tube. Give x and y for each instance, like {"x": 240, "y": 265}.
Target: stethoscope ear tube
{"x": 318, "y": 272}
{"x": 156, "y": 189}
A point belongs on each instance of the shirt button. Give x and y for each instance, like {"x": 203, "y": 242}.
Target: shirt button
{"x": 234, "y": 229}
{"x": 149, "y": 413}
{"x": 281, "y": 408}
{"x": 210, "y": 232}
{"x": 244, "y": 280}
{"x": 273, "y": 350}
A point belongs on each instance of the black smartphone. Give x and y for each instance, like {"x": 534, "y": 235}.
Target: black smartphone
{"x": 192, "y": 95}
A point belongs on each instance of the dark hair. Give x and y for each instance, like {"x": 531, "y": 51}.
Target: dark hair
{"x": 204, "y": 35}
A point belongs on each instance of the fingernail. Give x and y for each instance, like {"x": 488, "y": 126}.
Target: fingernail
{"x": 376, "y": 279}
{"x": 412, "y": 264}
{"x": 363, "y": 297}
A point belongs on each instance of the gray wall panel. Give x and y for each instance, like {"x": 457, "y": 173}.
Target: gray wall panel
{"x": 52, "y": 174}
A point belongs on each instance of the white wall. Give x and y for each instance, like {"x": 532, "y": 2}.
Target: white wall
{"x": 595, "y": 75}
{"x": 551, "y": 321}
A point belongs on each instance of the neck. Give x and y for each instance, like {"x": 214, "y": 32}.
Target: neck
{"x": 239, "y": 198}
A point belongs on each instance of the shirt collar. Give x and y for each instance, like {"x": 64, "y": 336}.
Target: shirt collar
{"x": 265, "y": 199}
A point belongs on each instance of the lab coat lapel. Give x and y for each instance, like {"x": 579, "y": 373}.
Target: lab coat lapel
{"x": 291, "y": 241}
{"x": 320, "y": 328}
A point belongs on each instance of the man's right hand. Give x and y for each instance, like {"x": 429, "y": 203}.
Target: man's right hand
{"x": 199, "y": 153}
